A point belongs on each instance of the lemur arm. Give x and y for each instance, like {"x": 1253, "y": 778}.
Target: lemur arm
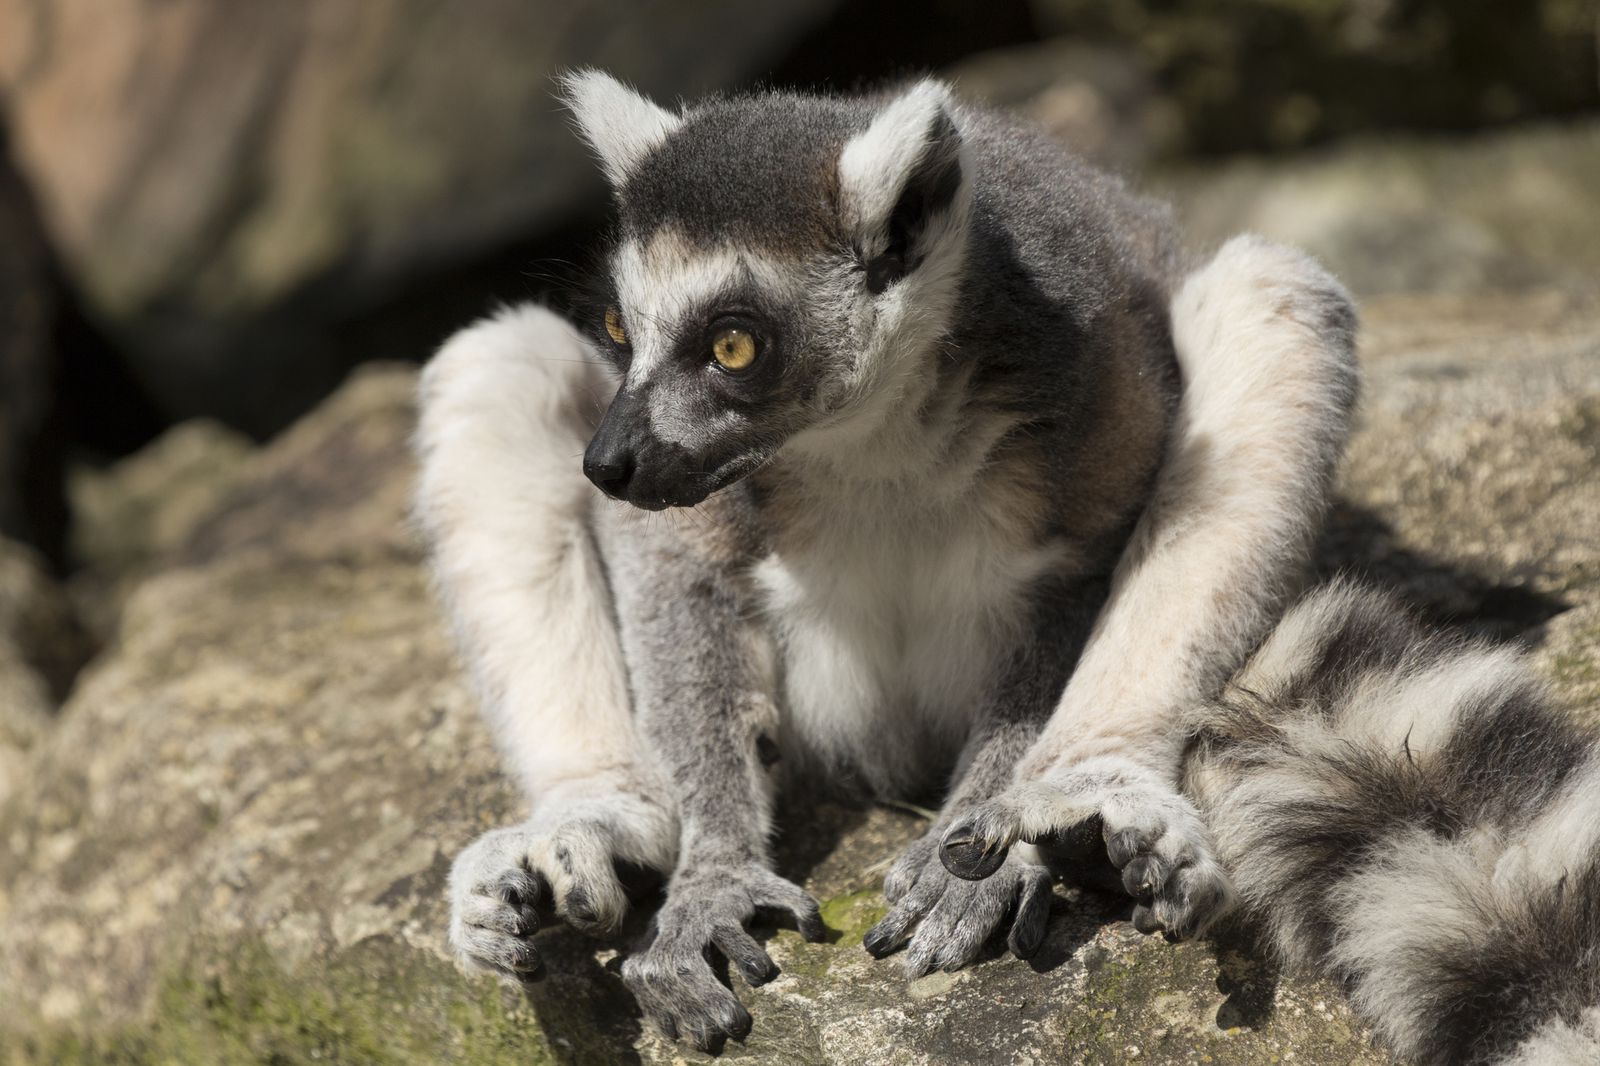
{"x": 704, "y": 691}
{"x": 1265, "y": 340}
{"x": 702, "y": 677}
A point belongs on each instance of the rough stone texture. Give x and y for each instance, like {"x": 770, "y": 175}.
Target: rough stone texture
{"x": 1515, "y": 210}
{"x": 224, "y": 180}
{"x": 1100, "y": 100}
{"x": 41, "y": 646}
{"x": 232, "y": 846}
{"x": 1248, "y": 74}
{"x": 133, "y": 516}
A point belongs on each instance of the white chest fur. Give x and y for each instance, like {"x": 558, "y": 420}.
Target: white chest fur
{"x": 891, "y": 619}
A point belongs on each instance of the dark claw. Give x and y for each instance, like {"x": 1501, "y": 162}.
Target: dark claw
{"x": 527, "y": 964}
{"x": 809, "y": 923}
{"x": 1144, "y": 920}
{"x": 878, "y": 942}
{"x": 738, "y": 1024}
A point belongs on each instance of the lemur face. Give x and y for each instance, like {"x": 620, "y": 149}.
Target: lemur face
{"x": 780, "y": 264}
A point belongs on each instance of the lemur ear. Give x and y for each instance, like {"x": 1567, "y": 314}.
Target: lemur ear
{"x": 620, "y": 125}
{"x": 898, "y": 177}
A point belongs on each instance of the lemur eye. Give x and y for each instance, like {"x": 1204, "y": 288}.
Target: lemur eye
{"x": 733, "y": 349}
{"x": 614, "y": 328}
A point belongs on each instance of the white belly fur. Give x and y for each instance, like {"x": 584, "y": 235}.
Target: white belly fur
{"x": 887, "y": 634}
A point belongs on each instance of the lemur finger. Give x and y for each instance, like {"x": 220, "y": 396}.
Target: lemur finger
{"x": 583, "y": 879}
{"x": 487, "y": 912}
{"x": 892, "y": 930}
{"x": 903, "y": 875}
{"x": 678, "y": 991}
{"x": 1194, "y": 897}
{"x": 1144, "y": 876}
{"x": 515, "y": 886}
{"x": 509, "y": 956}
{"x": 779, "y": 894}
{"x": 895, "y": 927}
{"x": 976, "y": 844}
{"x": 944, "y": 938}
{"x": 1123, "y": 844}
{"x": 741, "y": 949}
{"x": 959, "y": 942}
{"x": 1032, "y": 917}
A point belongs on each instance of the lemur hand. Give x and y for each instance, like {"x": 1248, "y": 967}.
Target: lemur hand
{"x": 953, "y": 917}
{"x": 1153, "y": 834}
{"x": 509, "y": 879}
{"x": 707, "y": 907}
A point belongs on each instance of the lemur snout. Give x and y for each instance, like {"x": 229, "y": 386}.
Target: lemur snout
{"x": 609, "y": 468}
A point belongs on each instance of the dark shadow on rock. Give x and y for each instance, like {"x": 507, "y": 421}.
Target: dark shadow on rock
{"x": 1246, "y": 976}
{"x": 1075, "y": 918}
{"x": 810, "y": 829}
{"x": 586, "y": 1013}
{"x": 1359, "y": 543}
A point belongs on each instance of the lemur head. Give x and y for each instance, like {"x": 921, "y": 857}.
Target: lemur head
{"x": 783, "y": 269}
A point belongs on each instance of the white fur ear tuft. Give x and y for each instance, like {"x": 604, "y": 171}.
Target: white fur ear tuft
{"x": 621, "y": 125}
{"x": 914, "y": 134}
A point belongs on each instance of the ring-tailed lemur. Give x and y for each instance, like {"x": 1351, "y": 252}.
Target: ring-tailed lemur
{"x": 968, "y": 480}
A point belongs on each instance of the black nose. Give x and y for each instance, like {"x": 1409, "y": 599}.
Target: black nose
{"x": 609, "y": 470}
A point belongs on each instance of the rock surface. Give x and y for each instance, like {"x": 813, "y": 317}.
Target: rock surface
{"x": 1517, "y": 210}
{"x": 223, "y": 182}
{"x": 1252, "y": 74}
{"x": 41, "y": 647}
{"x": 232, "y": 846}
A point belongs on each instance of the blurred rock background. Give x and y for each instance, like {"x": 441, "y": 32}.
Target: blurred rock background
{"x": 236, "y": 756}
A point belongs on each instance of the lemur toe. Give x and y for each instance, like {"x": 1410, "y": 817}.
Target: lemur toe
{"x": 1032, "y": 919}
{"x": 975, "y": 846}
{"x": 1168, "y": 868}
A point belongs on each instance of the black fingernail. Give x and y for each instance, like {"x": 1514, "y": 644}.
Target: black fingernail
{"x": 971, "y": 860}
{"x": 876, "y": 942}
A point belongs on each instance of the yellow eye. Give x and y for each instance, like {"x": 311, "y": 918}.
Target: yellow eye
{"x": 733, "y": 349}
{"x": 614, "y": 328}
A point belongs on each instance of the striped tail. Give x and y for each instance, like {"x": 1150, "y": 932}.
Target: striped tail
{"x": 1410, "y": 814}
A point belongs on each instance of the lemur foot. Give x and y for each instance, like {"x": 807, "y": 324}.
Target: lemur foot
{"x": 953, "y": 917}
{"x": 1153, "y": 835}
{"x": 509, "y": 880}
{"x": 708, "y": 908}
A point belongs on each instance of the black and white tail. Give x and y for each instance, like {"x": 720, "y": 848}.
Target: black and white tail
{"x": 1411, "y": 815}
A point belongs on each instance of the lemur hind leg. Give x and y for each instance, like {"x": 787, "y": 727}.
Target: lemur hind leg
{"x": 505, "y": 412}
{"x": 1265, "y": 341}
